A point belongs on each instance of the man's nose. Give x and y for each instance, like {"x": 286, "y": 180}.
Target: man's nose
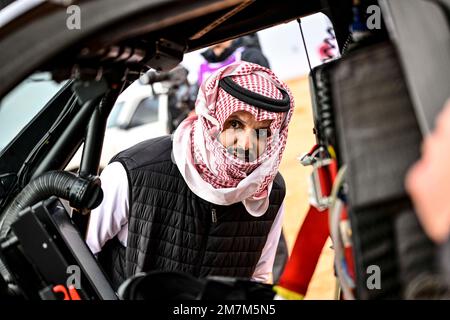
{"x": 247, "y": 139}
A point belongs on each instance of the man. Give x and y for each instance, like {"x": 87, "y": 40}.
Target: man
{"x": 210, "y": 202}
{"x": 246, "y": 48}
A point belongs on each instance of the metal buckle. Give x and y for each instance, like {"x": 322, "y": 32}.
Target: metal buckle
{"x": 317, "y": 197}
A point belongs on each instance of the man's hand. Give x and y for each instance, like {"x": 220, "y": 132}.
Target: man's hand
{"x": 428, "y": 181}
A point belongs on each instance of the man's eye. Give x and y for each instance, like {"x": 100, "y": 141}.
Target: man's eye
{"x": 235, "y": 124}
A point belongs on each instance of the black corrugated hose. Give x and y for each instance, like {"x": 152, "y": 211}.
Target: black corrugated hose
{"x": 82, "y": 193}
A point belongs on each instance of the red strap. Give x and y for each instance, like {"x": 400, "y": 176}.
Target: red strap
{"x": 74, "y": 293}
{"x": 310, "y": 240}
{"x": 306, "y": 252}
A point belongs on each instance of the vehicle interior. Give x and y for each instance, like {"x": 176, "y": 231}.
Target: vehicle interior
{"x": 372, "y": 107}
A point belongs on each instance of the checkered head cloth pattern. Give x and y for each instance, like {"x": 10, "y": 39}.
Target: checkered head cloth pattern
{"x": 214, "y": 105}
{"x": 209, "y": 170}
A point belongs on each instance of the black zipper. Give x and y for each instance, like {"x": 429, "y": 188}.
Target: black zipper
{"x": 205, "y": 240}
{"x": 213, "y": 215}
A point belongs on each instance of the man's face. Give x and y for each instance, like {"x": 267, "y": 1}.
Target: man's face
{"x": 244, "y": 137}
{"x": 220, "y": 47}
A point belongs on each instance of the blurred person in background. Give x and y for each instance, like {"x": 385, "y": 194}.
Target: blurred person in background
{"x": 246, "y": 48}
{"x": 428, "y": 181}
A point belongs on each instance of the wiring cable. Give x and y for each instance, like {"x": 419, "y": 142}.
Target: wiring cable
{"x": 336, "y": 206}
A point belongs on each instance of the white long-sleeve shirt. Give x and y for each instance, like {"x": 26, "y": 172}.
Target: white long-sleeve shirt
{"x": 110, "y": 219}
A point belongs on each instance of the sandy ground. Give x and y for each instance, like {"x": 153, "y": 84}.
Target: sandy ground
{"x": 300, "y": 140}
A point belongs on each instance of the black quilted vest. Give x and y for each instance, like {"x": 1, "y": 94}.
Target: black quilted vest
{"x": 172, "y": 229}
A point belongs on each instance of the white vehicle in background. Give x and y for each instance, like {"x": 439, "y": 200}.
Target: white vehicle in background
{"x": 140, "y": 113}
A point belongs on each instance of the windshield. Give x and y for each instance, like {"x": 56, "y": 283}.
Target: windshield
{"x": 22, "y": 103}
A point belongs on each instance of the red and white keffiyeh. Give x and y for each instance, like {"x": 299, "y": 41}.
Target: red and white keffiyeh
{"x": 210, "y": 171}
